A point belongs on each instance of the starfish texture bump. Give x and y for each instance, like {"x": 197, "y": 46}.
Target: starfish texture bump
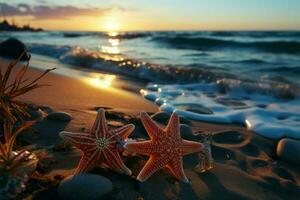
{"x": 100, "y": 145}
{"x": 166, "y": 148}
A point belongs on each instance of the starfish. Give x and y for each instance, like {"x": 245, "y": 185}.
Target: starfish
{"x": 166, "y": 148}
{"x": 100, "y": 145}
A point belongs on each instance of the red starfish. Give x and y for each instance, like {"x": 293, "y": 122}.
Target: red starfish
{"x": 166, "y": 148}
{"x": 100, "y": 145}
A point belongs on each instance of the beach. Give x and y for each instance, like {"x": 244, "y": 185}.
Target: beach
{"x": 245, "y": 164}
{"x": 150, "y": 100}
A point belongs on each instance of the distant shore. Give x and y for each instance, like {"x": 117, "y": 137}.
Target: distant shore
{"x": 6, "y": 26}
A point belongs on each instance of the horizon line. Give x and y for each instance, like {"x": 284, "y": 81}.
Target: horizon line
{"x": 170, "y": 30}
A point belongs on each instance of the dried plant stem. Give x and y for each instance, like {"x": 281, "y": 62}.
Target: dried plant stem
{"x": 10, "y": 109}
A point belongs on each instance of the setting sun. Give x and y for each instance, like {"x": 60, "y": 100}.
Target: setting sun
{"x": 111, "y": 26}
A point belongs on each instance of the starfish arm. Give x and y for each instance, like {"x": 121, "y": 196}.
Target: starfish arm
{"x": 114, "y": 161}
{"x": 153, "y": 165}
{"x": 144, "y": 147}
{"x": 123, "y": 132}
{"x": 176, "y": 168}
{"x": 173, "y": 124}
{"x": 87, "y": 162}
{"x": 151, "y": 127}
{"x": 99, "y": 129}
{"x": 81, "y": 140}
{"x": 189, "y": 147}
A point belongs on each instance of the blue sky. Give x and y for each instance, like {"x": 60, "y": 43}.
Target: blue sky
{"x": 161, "y": 14}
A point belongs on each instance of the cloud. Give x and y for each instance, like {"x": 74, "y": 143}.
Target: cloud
{"x": 42, "y": 12}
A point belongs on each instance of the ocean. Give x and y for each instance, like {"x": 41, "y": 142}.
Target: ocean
{"x": 249, "y": 77}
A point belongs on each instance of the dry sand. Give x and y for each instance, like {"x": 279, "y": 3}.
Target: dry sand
{"x": 245, "y": 164}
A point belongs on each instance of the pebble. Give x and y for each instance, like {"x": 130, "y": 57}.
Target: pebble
{"x": 186, "y": 132}
{"x": 60, "y": 116}
{"x": 231, "y": 102}
{"x": 84, "y": 186}
{"x": 36, "y": 114}
{"x": 289, "y": 150}
{"x": 196, "y": 108}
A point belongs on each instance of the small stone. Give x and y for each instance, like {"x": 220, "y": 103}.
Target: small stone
{"x": 289, "y": 150}
{"x": 36, "y": 114}
{"x": 163, "y": 118}
{"x": 196, "y": 108}
{"x": 60, "y": 116}
{"x": 84, "y": 186}
{"x": 231, "y": 102}
{"x": 186, "y": 132}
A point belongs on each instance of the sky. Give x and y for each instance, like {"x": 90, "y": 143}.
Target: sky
{"x": 122, "y": 15}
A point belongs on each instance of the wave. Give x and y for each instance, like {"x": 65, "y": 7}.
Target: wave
{"x": 54, "y": 51}
{"x": 207, "y": 44}
{"x": 253, "y": 61}
{"x": 270, "y": 117}
{"x": 284, "y": 69}
{"x": 124, "y": 66}
{"x": 133, "y": 35}
{"x": 256, "y": 34}
{"x": 75, "y": 34}
{"x": 137, "y": 69}
{"x": 162, "y": 74}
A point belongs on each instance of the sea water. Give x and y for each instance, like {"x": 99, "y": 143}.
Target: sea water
{"x": 251, "y": 78}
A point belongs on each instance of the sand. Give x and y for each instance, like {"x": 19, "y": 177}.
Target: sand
{"x": 81, "y": 99}
{"x": 245, "y": 164}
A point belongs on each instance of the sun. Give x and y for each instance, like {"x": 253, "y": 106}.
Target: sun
{"x": 111, "y": 26}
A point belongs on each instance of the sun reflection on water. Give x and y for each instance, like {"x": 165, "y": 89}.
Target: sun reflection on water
{"x": 114, "y": 43}
{"x": 113, "y": 34}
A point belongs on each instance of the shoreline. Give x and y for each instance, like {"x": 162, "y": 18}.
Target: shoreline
{"x": 65, "y": 93}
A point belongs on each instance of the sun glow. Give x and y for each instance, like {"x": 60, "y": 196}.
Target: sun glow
{"x": 103, "y": 81}
{"x": 111, "y": 26}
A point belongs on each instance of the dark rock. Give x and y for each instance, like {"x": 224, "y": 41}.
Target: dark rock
{"x": 60, "y": 116}
{"x": 229, "y": 137}
{"x": 289, "y": 150}
{"x": 186, "y": 132}
{"x": 84, "y": 186}
{"x": 12, "y": 48}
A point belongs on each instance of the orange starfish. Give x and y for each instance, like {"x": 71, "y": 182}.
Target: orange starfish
{"x": 100, "y": 146}
{"x": 166, "y": 148}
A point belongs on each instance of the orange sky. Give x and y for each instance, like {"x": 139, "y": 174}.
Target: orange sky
{"x": 155, "y": 14}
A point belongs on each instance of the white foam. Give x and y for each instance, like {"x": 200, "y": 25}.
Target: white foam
{"x": 264, "y": 114}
